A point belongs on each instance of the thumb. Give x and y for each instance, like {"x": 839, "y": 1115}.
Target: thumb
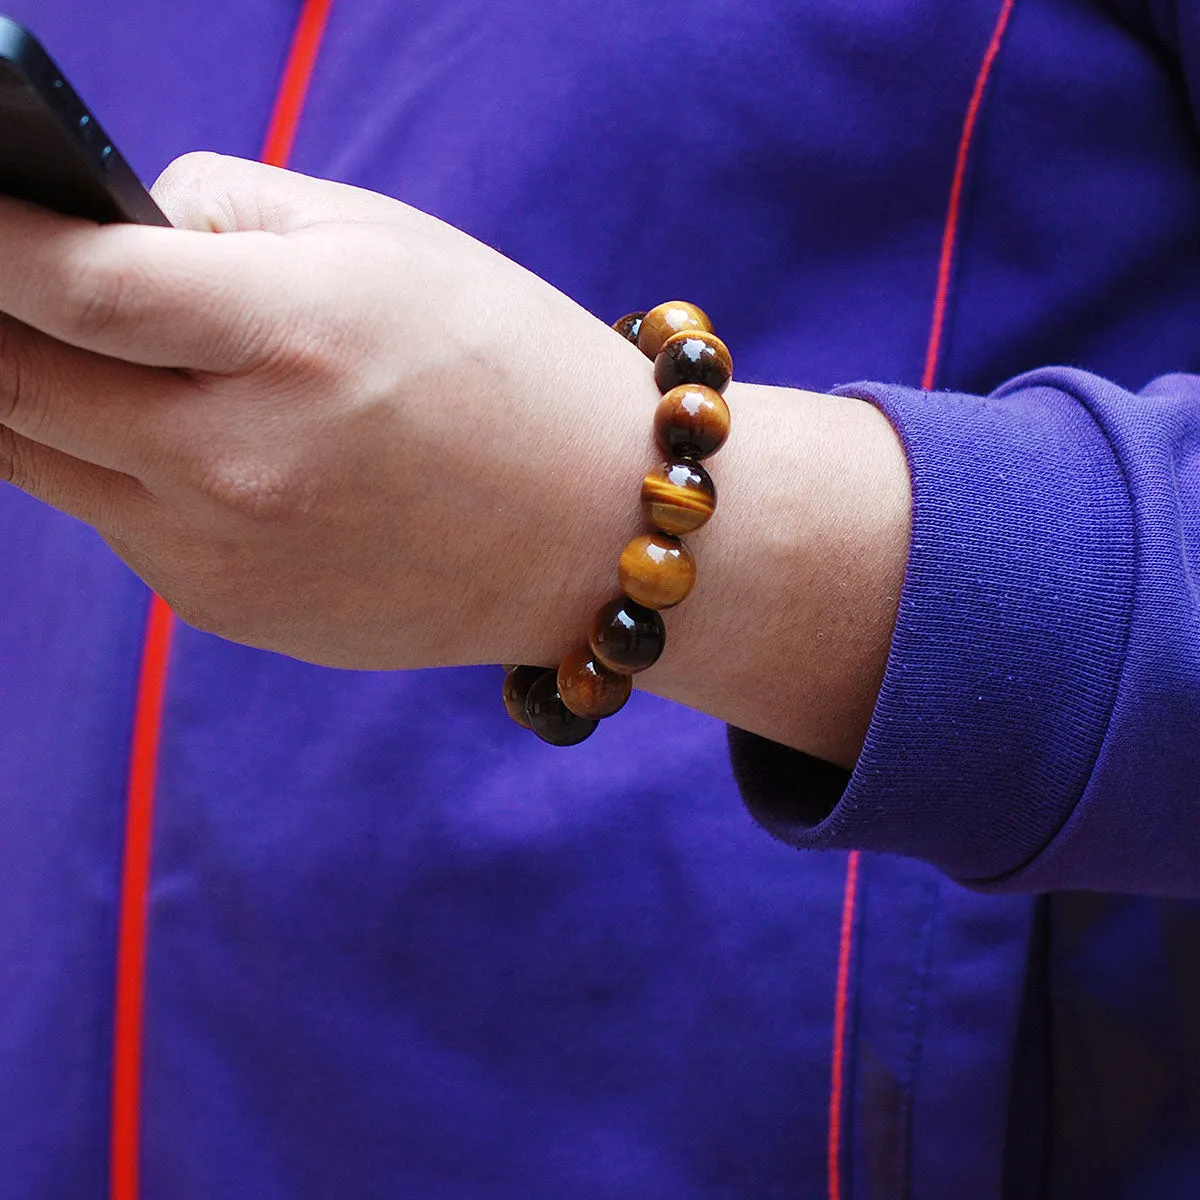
{"x": 217, "y": 193}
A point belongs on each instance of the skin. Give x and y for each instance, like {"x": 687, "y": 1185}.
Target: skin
{"x": 348, "y": 432}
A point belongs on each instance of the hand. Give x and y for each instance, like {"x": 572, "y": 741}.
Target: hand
{"x": 318, "y": 421}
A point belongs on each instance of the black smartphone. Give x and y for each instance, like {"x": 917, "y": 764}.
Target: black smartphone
{"x": 53, "y": 151}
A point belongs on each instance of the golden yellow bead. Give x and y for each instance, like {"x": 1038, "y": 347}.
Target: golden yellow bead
{"x": 666, "y": 320}
{"x": 678, "y": 497}
{"x": 656, "y": 570}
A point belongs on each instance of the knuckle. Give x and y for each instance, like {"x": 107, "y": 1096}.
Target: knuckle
{"x": 17, "y": 392}
{"x": 95, "y": 298}
{"x": 187, "y": 171}
{"x": 300, "y": 351}
{"x": 188, "y": 191}
{"x": 251, "y": 489}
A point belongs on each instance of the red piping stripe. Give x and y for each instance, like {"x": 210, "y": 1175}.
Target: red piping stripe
{"x": 841, "y": 1000}
{"x": 297, "y": 79}
{"x": 950, "y": 232}
{"x": 840, "y": 1005}
{"x": 130, "y": 986}
{"x": 135, "y": 879}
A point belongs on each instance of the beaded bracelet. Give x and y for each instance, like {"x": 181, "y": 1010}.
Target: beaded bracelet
{"x": 692, "y": 367}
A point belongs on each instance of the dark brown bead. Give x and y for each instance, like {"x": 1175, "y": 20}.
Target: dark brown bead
{"x": 666, "y": 320}
{"x": 629, "y": 326}
{"x": 693, "y": 357}
{"x": 590, "y": 689}
{"x": 517, "y": 683}
{"x": 626, "y": 637}
{"x": 678, "y": 497}
{"x": 550, "y": 718}
{"x": 656, "y": 570}
{"x": 691, "y": 421}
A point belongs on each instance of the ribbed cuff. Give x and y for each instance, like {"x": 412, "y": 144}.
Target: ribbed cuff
{"x": 1008, "y": 646}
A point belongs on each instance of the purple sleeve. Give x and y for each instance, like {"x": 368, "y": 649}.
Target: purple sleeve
{"x": 1038, "y": 726}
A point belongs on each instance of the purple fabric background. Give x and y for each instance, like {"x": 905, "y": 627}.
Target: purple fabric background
{"x": 398, "y": 949}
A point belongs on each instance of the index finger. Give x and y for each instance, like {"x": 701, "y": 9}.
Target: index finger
{"x": 149, "y": 295}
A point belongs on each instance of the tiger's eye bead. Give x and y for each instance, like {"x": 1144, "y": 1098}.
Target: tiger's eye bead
{"x": 550, "y": 718}
{"x": 656, "y": 570}
{"x": 629, "y": 326}
{"x": 589, "y": 689}
{"x": 693, "y": 357}
{"x": 691, "y": 421}
{"x": 625, "y": 637}
{"x": 666, "y": 320}
{"x": 678, "y": 497}
{"x": 517, "y": 683}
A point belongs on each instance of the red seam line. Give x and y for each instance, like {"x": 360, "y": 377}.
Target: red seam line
{"x": 950, "y": 232}
{"x": 133, "y": 917}
{"x": 135, "y": 880}
{"x": 297, "y": 79}
{"x": 840, "y": 1007}
{"x": 929, "y": 376}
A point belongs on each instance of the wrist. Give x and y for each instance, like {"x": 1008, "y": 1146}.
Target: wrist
{"x": 800, "y": 571}
{"x": 553, "y": 558}
{"x": 787, "y": 630}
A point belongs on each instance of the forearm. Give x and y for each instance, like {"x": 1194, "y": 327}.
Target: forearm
{"x": 360, "y": 438}
{"x": 384, "y": 446}
{"x": 786, "y": 631}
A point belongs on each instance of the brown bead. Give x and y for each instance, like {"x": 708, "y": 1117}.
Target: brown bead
{"x": 589, "y": 689}
{"x": 626, "y": 637}
{"x": 691, "y": 421}
{"x": 629, "y": 326}
{"x": 693, "y": 357}
{"x": 678, "y": 497}
{"x": 656, "y": 570}
{"x": 550, "y": 718}
{"x": 517, "y": 683}
{"x": 666, "y": 320}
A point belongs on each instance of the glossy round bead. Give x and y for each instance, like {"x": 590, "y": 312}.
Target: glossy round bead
{"x": 550, "y": 718}
{"x": 629, "y": 326}
{"x": 517, "y": 683}
{"x": 693, "y": 357}
{"x": 691, "y": 421}
{"x": 589, "y": 689}
{"x": 678, "y": 497}
{"x": 656, "y": 570}
{"x": 666, "y": 320}
{"x": 626, "y": 637}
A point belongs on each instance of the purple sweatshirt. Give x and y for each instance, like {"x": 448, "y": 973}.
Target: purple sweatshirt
{"x": 396, "y": 948}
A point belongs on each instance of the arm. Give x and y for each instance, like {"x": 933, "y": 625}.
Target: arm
{"x": 378, "y": 444}
{"x": 1039, "y": 721}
